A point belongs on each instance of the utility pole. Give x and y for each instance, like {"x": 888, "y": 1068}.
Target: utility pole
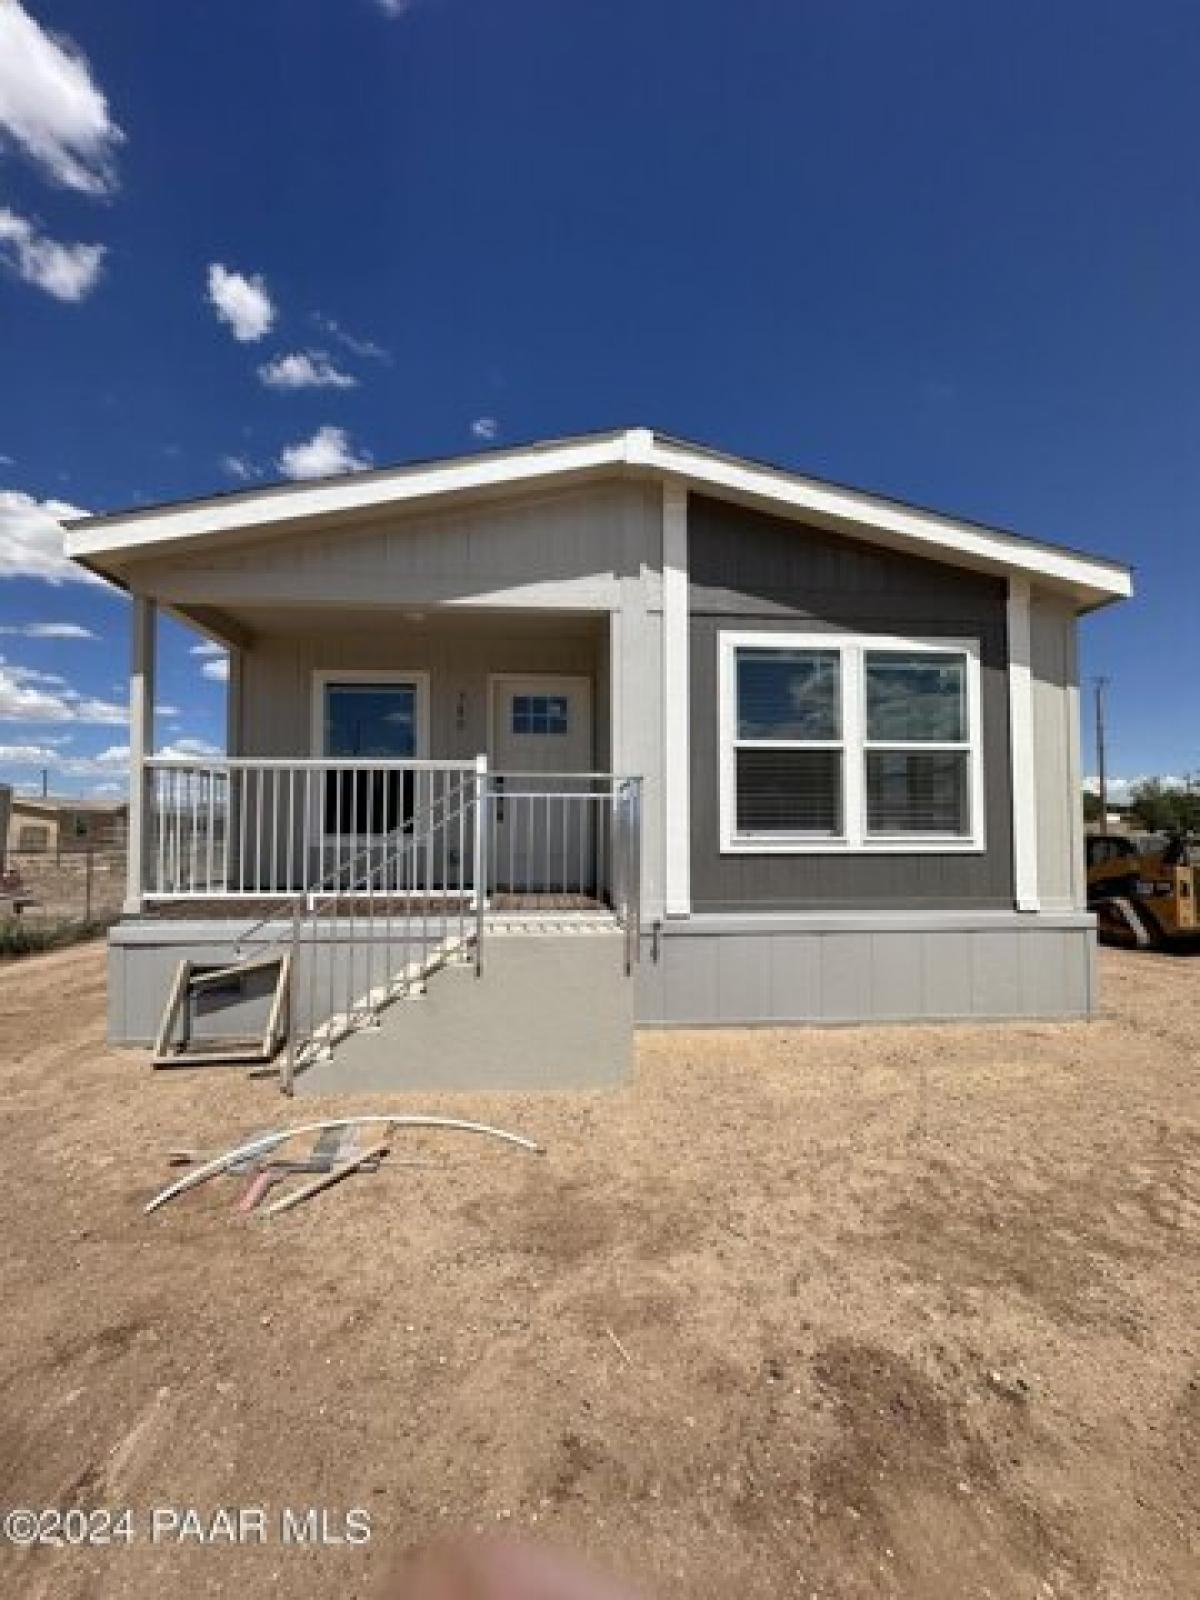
{"x": 1100, "y": 685}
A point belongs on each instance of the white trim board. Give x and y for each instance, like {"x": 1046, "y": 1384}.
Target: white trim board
{"x": 854, "y": 838}
{"x": 676, "y": 688}
{"x": 1021, "y": 744}
{"x": 108, "y": 544}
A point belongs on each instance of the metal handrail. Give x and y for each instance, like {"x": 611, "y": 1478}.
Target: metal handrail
{"x": 419, "y": 839}
{"x": 425, "y": 886}
{"x": 302, "y": 764}
{"x": 406, "y": 832}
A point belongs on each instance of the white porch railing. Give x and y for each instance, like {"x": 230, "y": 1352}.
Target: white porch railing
{"x": 248, "y": 828}
{"x": 259, "y": 829}
{"x": 374, "y": 874}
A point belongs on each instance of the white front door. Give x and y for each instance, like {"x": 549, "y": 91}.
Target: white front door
{"x": 541, "y": 733}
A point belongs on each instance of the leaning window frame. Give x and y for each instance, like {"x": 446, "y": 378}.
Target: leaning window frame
{"x": 854, "y": 839}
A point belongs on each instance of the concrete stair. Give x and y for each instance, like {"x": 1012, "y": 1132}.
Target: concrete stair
{"x": 552, "y": 1010}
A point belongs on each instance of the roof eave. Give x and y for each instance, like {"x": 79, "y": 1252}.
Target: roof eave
{"x": 107, "y": 544}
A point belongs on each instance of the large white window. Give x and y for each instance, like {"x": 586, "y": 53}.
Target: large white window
{"x": 836, "y": 743}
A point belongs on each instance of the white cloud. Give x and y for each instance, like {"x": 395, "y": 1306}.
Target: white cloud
{"x": 240, "y": 468}
{"x": 214, "y": 660}
{"x": 1120, "y": 790}
{"x": 190, "y": 749}
{"x": 485, "y": 428}
{"x": 394, "y": 8}
{"x": 367, "y": 348}
{"x": 110, "y": 763}
{"x": 31, "y": 539}
{"x": 305, "y": 369}
{"x": 66, "y": 271}
{"x": 27, "y": 695}
{"x": 50, "y": 630}
{"x": 51, "y": 107}
{"x": 327, "y": 453}
{"x": 244, "y": 303}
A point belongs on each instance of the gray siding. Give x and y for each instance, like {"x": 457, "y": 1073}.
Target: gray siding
{"x": 752, "y": 570}
{"x": 932, "y": 967}
{"x": 457, "y": 652}
{"x": 562, "y": 551}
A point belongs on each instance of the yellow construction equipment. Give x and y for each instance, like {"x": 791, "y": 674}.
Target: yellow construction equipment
{"x": 1143, "y": 892}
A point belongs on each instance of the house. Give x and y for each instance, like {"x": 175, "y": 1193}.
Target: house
{"x": 60, "y": 825}
{"x": 799, "y": 752}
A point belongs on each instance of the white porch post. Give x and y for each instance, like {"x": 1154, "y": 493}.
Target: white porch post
{"x": 1023, "y": 764}
{"x": 233, "y": 702}
{"x": 676, "y": 686}
{"x": 143, "y": 640}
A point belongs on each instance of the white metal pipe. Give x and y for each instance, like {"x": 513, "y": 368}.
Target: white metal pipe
{"x": 269, "y": 1141}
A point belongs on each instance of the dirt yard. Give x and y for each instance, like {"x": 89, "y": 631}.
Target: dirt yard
{"x": 853, "y": 1313}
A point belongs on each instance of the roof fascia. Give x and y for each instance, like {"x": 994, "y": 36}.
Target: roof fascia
{"x": 106, "y": 544}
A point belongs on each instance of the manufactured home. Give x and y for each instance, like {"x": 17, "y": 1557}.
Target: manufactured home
{"x": 611, "y": 731}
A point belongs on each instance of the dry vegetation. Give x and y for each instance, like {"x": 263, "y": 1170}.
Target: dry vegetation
{"x": 902, "y": 1312}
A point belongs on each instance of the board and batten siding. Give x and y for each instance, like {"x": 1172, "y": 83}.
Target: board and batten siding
{"x": 458, "y": 654}
{"x": 749, "y": 570}
{"x": 564, "y": 551}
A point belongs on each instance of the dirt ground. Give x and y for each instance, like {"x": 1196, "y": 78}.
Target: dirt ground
{"x": 905, "y": 1312}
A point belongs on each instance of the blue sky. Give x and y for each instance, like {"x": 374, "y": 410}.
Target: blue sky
{"x": 947, "y": 252}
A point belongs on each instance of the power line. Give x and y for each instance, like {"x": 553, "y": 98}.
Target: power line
{"x": 1100, "y": 686}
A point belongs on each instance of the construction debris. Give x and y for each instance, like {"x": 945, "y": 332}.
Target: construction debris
{"x": 327, "y": 1179}
{"x": 256, "y": 1156}
{"x": 178, "y": 1044}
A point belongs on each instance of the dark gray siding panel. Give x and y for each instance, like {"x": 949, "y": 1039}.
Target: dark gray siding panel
{"x": 751, "y": 570}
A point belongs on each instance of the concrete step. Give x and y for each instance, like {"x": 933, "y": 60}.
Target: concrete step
{"x": 555, "y": 1012}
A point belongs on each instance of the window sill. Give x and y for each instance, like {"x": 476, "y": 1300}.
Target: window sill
{"x": 842, "y": 847}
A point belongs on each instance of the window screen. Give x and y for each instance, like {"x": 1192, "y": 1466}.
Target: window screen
{"x": 788, "y": 694}
{"x": 912, "y": 697}
{"x": 789, "y": 791}
{"x": 917, "y": 791}
{"x": 917, "y": 773}
{"x": 787, "y": 758}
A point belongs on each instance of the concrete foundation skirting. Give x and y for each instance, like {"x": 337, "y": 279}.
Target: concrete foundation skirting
{"x": 887, "y": 967}
{"x": 726, "y": 970}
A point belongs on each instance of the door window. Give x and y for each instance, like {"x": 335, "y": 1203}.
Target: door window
{"x": 540, "y": 714}
{"x": 369, "y": 722}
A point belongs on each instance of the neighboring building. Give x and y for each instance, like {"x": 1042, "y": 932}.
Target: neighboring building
{"x": 65, "y": 825}
{"x": 852, "y": 727}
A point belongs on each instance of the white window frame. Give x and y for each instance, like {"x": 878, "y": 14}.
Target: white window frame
{"x": 854, "y": 745}
{"x": 365, "y": 676}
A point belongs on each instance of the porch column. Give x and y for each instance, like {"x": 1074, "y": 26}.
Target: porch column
{"x": 233, "y": 702}
{"x": 676, "y": 704}
{"x": 143, "y": 640}
{"x": 1023, "y": 763}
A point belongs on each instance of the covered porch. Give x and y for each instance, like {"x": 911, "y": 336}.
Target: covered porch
{"x": 415, "y": 753}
